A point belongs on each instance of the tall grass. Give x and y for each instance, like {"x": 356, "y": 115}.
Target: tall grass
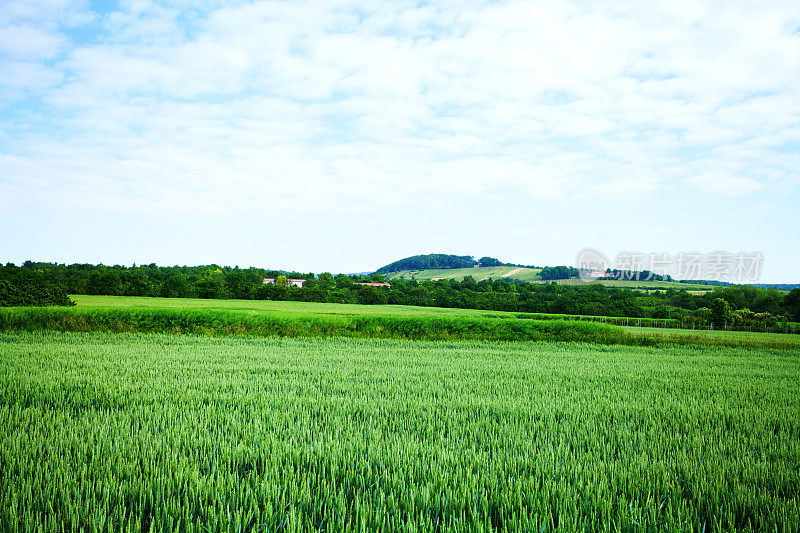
{"x": 313, "y": 324}
{"x": 226, "y": 322}
{"x": 146, "y": 433}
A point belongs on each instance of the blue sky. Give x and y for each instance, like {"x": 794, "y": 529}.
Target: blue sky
{"x": 339, "y": 136}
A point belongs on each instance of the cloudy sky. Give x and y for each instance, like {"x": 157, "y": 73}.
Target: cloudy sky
{"x": 341, "y": 135}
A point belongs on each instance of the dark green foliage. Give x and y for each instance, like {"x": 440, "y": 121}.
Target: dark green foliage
{"x": 558, "y": 272}
{"x": 759, "y": 308}
{"x": 138, "y": 285}
{"x": 175, "y": 286}
{"x": 721, "y": 313}
{"x": 425, "y": 262}
{"x": 523, "y": 327}
{"x": 221, "y": 322}
{"x": 25, "y": 287}
{"x": 747, "y": 296}
{"x": 793, "y": 304}
{"x": 212, "y": 285}
{"x": 489, "y": 262}
{"x": 372, "y": 296}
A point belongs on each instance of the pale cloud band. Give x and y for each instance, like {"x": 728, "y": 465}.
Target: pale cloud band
{"x": 379, "y": 105}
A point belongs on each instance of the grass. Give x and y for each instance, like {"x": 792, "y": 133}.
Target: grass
{"x": 725, "y": 338}
{"x": 251, "y": 323}
{"x": 279, "y": 308}
{"x": 299, "y": 319}
{"x": 121, "y": 432}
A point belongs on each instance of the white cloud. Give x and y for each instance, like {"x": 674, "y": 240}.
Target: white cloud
{"x": 22, "y": 78}
{"x": 727, "y": 185}
{"x": 374, "y": 105}
{"x": 29, "y": 42}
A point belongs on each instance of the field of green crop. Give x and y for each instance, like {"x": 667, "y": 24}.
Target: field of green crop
{"x": 120, "y": 432}
{"x": 299, "y": 319}
{"x": 277, "y": 307}
{"x": 745, "y": 338}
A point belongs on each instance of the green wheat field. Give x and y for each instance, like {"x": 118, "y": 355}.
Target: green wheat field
{"x": 158, "y": 432}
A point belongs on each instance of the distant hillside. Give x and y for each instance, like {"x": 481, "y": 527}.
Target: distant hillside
{"x": 534, "y": 275}
{"x": 434, "y": 267}
{"x": 479, "y": 273}
{"x": 446, "y": 266}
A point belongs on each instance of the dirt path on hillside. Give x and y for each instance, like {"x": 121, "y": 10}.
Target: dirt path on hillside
{"x": 512, "y": 272}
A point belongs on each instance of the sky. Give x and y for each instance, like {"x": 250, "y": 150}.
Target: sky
{"x": 342, "y": 135}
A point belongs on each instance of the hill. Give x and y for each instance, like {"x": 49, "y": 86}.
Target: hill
{"x": 478, "y": 272}
{"x": 531, "y": 275}
{"x": 432, "y": 267}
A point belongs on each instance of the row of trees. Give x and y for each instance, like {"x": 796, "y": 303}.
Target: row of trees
{"x": 47, "y": 283}
{"x": 439, "y": 261}
{"x": 721, "y": 315}
{"x": 20, "y": 286}
{"x": 558, "y": 272}
{"x": 208, "y": 281}
{"x": 428, "y": 261}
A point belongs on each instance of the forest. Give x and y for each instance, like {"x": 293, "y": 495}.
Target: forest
{"x": 50, "y": 283}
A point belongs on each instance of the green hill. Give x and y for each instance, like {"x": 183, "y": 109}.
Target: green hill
{"x": 531, "y": 275}
{"x": 434, "y": 267}
{"x": 478, "y": 272}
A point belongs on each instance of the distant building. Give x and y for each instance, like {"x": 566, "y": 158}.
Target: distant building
{"x": 384, "y": 284}
{"x": 292, "y": 282}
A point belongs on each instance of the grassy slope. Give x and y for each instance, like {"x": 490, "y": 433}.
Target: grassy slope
{"x": 480, "y": 273}
{"x": 267, "y": 307}
{"x": 165, "y": 432}
{"x": 532, "y": 275}
{"x": 293, "y": 319}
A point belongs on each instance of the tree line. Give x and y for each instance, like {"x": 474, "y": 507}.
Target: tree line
{"x": 440, "y": 261}
{"x": 50, "y": 283}
{"x": 26, "y": 286}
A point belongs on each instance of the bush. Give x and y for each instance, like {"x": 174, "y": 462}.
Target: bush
{"x": 31, "y": 289}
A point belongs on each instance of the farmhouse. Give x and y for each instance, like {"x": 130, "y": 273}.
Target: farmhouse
{"x": 292, "y": 282}
{"x": 384, "y": 284}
